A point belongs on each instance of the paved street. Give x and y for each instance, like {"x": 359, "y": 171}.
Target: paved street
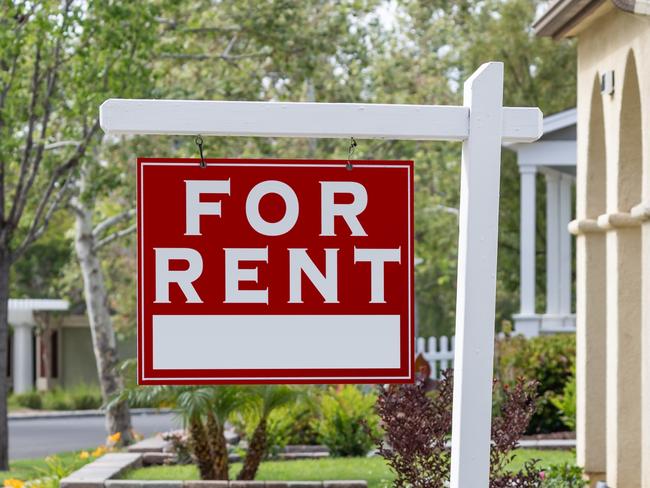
{"x": 32, "y": 438}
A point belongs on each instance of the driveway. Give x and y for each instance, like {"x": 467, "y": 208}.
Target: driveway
{"x": 39, "y": 437}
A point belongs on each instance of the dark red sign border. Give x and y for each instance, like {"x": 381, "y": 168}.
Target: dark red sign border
{"x": 404, "y": 374}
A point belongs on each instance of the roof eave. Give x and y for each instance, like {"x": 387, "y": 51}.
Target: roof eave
{"x": 633, "y": 6}
{"x": 563, "y": 15}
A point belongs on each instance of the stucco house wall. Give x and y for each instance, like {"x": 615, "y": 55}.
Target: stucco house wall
{"x": 617, "y": 42}
{"x": 613, "y": 234}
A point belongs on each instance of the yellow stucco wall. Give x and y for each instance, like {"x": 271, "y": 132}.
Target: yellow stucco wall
{"x": 613, "y": 249}
{"x": 604, "y": 46}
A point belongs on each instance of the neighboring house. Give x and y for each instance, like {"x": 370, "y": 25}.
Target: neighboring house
{"x": 554, "y": 157}
{"x": 50, "y": 347}
{"x": 613, "y": 233}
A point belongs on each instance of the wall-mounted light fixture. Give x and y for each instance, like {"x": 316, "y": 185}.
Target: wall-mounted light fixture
{"x": 607, "y": 83}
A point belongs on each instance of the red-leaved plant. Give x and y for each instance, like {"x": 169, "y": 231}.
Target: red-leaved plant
{"x": 417, "y": 431}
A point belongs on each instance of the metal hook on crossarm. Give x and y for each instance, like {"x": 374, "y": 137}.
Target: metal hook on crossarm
{"x": 353, "y": 145}
{"x": 198, "y": 140}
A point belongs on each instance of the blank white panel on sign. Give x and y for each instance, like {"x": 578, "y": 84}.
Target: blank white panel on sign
{"x": 275, "y": 341}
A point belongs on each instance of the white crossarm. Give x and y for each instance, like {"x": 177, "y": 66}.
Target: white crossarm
{"x": 309, "y": 120}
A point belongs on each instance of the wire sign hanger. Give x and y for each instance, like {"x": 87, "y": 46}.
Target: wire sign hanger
{"x": 353, "y": 146}
{"x": 198, "y": 140}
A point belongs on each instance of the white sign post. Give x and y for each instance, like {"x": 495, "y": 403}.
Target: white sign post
{"x": 482, "y": 124}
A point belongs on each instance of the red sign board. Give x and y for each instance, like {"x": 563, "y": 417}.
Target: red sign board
{"x": 275, "y": 271}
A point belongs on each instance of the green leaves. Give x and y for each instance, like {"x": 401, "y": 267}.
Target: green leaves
{"x": 348, "y": 51}
{"x": 434, "y": 46}
{"x": 60, "y": 60}
{"x": 348, "y": 422}
{"x": 550, "y": 360}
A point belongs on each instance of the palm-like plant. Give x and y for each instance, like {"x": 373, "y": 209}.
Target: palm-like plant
{"x": 263, "y": 399}
{"x": 192, "y": 404}
{"x": 223, "y": 402}
{"x": 203, "y": 411}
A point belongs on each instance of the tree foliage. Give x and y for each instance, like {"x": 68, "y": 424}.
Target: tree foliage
{"x": 432, "y": 48}
{"x": 407, "y": 51}
{"x": 58, "y": 60}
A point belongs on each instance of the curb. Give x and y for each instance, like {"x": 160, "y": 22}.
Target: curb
{"x": 102, "y": 472}
{"x": 63, "y": 414}
{"x": 548, "y": 444}
{"x": 110, "y": 483}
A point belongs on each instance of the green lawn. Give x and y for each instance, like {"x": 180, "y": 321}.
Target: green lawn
{"x": 34, "y": 468}
{"x": 546, "y": 457}
{"x": 373, "y": 470}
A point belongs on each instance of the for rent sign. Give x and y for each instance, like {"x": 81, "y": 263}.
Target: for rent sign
{"x": 273, "y": 271}
{"x": 318, "y": 296}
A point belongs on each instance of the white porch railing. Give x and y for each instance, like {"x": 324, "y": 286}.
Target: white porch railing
{"x": 438, "y": 351}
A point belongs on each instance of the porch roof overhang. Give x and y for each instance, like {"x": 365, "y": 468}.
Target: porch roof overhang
{"x": 21, "y": 310}
{"x": 553, "y": 155}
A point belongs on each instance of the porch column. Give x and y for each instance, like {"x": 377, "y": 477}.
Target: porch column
{"x": 591, "y": 279}
{"x": 23, "y": 358}
{"x": 623, "y": 355}
{"x": 591, "y": 310}
{"x": 526, "y": 321}
{"x": 553, "y": 266}
{"x": 566, "y": 185}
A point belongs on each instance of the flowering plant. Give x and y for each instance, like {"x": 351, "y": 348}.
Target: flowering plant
{"x": 58, "y": 468}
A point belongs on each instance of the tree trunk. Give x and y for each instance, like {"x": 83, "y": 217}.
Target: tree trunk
{"x": 4, "y": 341}
{"x": 200, "y": 448}
{"x": 118, "y": 417}
{"x": 255, "y": 454}
{"x": 219, "y": 448}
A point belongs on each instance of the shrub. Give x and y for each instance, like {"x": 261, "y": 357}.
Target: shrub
{"x": 278, "y": 427}
{"x": 80, "y": 397}
{"x": 30, "y": 399}
{"x": 549, "y": 360}
{"x": 293, "y": 423}
{"x": 85, "y": 397}
{"x": 56, "y": 399}
{"x": 563, "y": 476}
{"x": 348, "y": 421}
{"x": 302, "y": 417}
{"x": 566, "y": 403}
{"x": 417, "y": 430}
{"x": 418, "y": 427}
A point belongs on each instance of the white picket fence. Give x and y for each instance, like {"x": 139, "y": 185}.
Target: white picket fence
{"x": 438, "y": 351}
